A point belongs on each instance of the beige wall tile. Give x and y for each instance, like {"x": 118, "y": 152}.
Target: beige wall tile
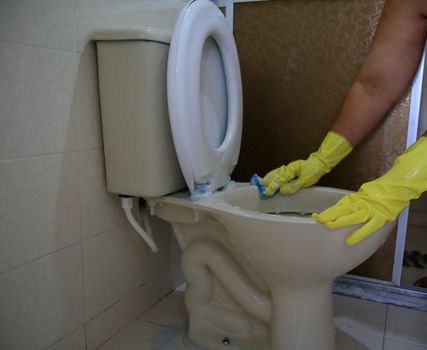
{"x": 87, "y": 108}
{"x": 115, "y": 265}
{"x": 47, "y": 23}
{"x": 39, "y": 207}
{"x": 169, "y": 253}
{"x": 41, "y": 301}
{"x": 52, "y": 181}
{"x": 101, "y": 210}
{"x": 36, "y": 101}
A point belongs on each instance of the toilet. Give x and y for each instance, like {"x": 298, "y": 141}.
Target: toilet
{"x": 259, "y": 273}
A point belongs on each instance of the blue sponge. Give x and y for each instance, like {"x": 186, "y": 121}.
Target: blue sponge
{"x": 261, "y": 188}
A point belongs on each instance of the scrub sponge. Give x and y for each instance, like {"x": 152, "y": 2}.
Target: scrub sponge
{"x": 255, "y": 182}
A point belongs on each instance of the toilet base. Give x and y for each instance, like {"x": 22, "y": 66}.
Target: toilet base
{"x": 343, "y": 341}
{"x": 303, "y": 317}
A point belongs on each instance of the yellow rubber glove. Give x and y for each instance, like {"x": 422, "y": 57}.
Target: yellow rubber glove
{"x": 383, "y": 199}
{"x": 305, "y": 173}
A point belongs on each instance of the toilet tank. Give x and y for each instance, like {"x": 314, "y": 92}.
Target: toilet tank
{"x": 140, "y": 158}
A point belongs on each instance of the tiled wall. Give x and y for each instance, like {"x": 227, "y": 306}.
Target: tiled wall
{"x": 72, "y": 272}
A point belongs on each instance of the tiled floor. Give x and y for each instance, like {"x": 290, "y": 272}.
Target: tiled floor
{"x": 375, "y": 326}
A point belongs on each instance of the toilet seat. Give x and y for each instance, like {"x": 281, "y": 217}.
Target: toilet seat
{"x": 206, "y": 121}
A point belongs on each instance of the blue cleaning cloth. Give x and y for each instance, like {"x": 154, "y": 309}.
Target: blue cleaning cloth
{"x": 255, "y": 181}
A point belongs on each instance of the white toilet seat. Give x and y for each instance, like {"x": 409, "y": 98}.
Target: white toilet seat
{"x": 202, "y": 161}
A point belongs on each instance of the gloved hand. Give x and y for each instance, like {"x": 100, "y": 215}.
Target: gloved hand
{"x": 305, "y": 173}
{"x": 383, "y": 199}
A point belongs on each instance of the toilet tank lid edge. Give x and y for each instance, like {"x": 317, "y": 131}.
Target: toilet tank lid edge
{"x": 142, "y": 33}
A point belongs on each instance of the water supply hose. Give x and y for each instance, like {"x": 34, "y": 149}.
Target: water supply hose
{"x": 127, "y": 205}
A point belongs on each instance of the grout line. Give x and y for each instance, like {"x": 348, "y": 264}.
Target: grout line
{"x": 79, "y": 174}
{"x": 74, "y": 33}
{"x": 151, "y": 322}
{"x": 41, "y": 257}
{"x": 80, "y": 241}
{"x": 142, "y": 285}
{"x": 385, "y": 326}
{"x": 411, "y": 342}
{"x": 36, "y": 46}
{"x": 32, "y": 156}
{"x": 108, "y": 308}
{"x": 63, "y": 337}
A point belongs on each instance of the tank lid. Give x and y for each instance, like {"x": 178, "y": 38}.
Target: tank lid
{"x": 144, "y": 33}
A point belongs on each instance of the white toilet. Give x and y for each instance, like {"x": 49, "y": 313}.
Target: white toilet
{"x": 259, "y": 272}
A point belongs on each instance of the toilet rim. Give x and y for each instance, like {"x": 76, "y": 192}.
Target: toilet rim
{"x": 217, "y": 203}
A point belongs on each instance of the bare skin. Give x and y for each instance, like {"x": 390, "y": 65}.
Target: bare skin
{"x": 388, "y": 71}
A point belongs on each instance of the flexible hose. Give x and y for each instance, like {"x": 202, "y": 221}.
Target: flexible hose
{"x": 127, "y": 205}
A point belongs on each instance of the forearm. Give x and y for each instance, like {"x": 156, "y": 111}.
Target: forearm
{"x": 361, "y": 112}
{"x": 388, "y": 71}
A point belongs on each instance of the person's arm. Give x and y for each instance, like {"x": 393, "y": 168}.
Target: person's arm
{"x": 389, "y": 69}
{"x": 391, "y": 65}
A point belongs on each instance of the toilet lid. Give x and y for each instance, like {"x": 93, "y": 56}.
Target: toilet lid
{"x": 205, "y": 96}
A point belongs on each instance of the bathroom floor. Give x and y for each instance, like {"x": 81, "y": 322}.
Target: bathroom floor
{"x": 375, "y": 326}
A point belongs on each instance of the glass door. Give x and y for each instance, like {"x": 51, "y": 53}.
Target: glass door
{"x": 410, "y": 263}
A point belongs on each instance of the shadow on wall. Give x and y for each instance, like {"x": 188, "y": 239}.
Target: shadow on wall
{"x": 298, "y": 58}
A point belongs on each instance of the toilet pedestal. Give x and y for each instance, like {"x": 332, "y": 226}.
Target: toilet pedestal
{"x": 303, "y": 318}
{"x": 258, "y": 281}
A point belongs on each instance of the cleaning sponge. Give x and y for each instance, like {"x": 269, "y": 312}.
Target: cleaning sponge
{"x": 255, "y": 181}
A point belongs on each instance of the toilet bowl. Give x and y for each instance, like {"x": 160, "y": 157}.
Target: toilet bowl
{"x": 259, "y": 272}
